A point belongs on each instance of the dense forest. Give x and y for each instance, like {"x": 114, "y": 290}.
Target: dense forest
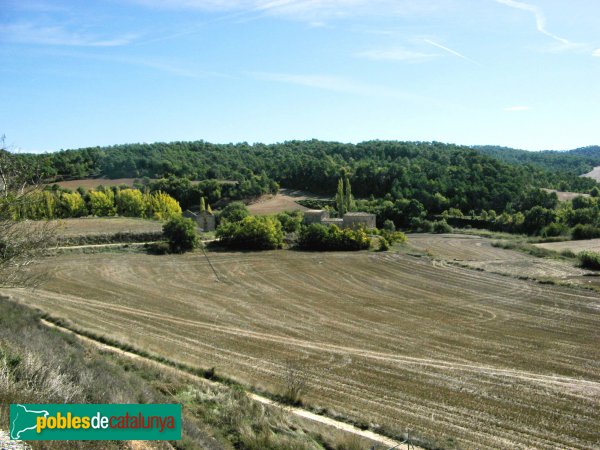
{"x": 574, "y": 162}
{"x": 438, "y": 175}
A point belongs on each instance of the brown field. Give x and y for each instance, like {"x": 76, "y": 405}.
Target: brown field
{"x": 466, "y": 358}
{"x": 92, "y": 183}
{"x": 105, "y": 225}
{"x": 564, "y": 196}
{"x": 285, "y": 200}
{"x": 595, "y": 174}
{"x": 575, "y": 246}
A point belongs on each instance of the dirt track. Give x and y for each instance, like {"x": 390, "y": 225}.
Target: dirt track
{"x": 390, "y": 339}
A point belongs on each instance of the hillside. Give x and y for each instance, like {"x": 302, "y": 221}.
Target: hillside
{"x": 435, "y": 174}
{"x": 576, "y": 162}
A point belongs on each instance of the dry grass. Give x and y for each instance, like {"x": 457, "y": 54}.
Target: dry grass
{"x": 465, "y": 358}
{"x": 106, "y": 225}
{"x": 574, "y": 246}
{"x": 285, "y": 200}
{"x": 478, "y": 253}
{"x": 93, "y": 183}
{"x": 564, "y": 196}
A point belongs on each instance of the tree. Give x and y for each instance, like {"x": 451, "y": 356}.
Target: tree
{"x": 181, "y": 233}
{"x": 101, "y": 203}
{"x": 339, "y": 199}
{"x": 595, "y": 192}
{"x": 234, "y": 212}
{"x": 348, "y": 199}
{"x": 161, "y": 206}
{"x": 130, "y": 203}
{"x": 72, "y": 205}
{"x": 252, "y": 232}
{"x": 21, "y": 243}
{"x": 202, "y": 204}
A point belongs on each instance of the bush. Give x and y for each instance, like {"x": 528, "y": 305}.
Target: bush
{"x": 322, "y": 238}
{"x": 421, "y": 225}
{"x": 441, "y": 226}
{"x": 389, "y": 225}
{"x": 384, "y": 245}
{"x": 589, "y": 260}
{"x": 252, "y": 232}
{"x": 580, "y": 232}
{"x": 181, "y": 233}
{"x": 290, "y": 222}
{"x": 554, "y": 229}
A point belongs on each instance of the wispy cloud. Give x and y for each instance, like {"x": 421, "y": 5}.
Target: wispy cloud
{"x": 540, "y": 21}
{"x": 308, "y": 10}
{"x": 451, "y": 51}
{"x": 29, "y": 33}
{"x": 395, "y": 54}
{"x": 333, "y": 83}
{"x": 517, "y": 108}
{"x": 596, "y": 53}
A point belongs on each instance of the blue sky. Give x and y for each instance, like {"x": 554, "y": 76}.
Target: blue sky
{"x": 504, "y": 72}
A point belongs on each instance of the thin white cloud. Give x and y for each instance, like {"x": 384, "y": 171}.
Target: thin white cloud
{"x": 517, "y": 108}
{"x": 540, "y": 20}
{"x": 596, "y": 53}
{"x": 395, "y": 54}
{"x": 333, "y": 84}
{"x": 28, "y": 33}
{"x": 308, "y": 10}
{"x": 452, "y": 52}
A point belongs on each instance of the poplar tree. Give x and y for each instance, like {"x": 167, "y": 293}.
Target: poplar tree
{"x": 348, "y": 199}
{"x": 339, "y": 198}
{"x": 202, "y": 204}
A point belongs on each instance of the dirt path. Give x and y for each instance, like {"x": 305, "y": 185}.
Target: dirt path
{"x": 299, "y": 412}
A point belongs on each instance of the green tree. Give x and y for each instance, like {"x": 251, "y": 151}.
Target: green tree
{"x": 340, "y": 199}
{"x": 161, "y": 206}
{"x": 181, "y": 234}
{"x": 252, "y": 232}
{"x": 101, "y": 203}
{"x": 72, "y": 205}
{"x": 348, "y": 199}
{"x": 234, "y": 212}
{"x": 202, "y": 204}
{"x": 130, "y": 203}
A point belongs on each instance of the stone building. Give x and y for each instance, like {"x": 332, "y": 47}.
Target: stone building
{"x": 359, "y": 219}
{"x": 350, "y": 220}
{"x": 204, "y": 220}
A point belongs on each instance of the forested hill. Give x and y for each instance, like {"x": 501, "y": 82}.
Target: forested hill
{"x": 576, "y": 162}
{"x": 437, "y": 175}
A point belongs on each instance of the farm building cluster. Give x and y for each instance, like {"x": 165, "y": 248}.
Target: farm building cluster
{"x": 349, "y": 220}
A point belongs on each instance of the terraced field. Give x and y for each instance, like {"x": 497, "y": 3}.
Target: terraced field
{"x": 466, "y": 358}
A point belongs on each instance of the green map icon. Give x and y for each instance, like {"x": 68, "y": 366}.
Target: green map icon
{"x": 23, "y": 419}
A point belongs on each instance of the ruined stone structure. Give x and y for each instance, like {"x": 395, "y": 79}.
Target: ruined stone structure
{"x": 204, "y": 220}
{"x": 350, "y": 220}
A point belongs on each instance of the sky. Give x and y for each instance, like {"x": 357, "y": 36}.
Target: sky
{"x": 522, "y": 74}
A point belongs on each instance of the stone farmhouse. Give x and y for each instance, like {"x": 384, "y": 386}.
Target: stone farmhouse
{"x": 204, "y": 220}
{"x": 350, "y": 220}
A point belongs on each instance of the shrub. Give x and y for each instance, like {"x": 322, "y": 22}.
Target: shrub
{"x": 290, "y": 222}
{"x": 581, "y": 231}
{"x": 554, "y": 229}
{"x": 389, "y": 225}
{"x": 384, "y": 245}
{"x": 181, "y": 234}
{"x": 322, "y": 237}
{"x": 252, "y": 232}
{"x": 589, "y": 260}
{"x": 441, "y": 226}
